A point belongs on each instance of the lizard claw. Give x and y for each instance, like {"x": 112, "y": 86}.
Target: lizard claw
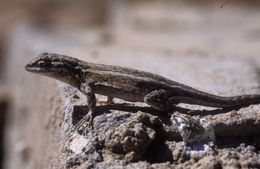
{"x": 90, "y": 121}
{"x": 87, "y": 118}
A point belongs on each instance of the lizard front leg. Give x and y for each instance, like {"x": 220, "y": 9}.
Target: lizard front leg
{"x": 159, "y": 99}
{"x": 91, "y": 100}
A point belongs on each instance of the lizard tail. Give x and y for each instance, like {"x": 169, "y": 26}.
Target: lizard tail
{"x": 240, "y": 100}
{"x": 211, "y": 100}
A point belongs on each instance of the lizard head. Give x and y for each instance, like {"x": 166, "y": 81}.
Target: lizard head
{"x": 60, "y": 67}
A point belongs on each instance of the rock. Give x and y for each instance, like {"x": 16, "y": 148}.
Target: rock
{"x": 208, "y": 162}
{"x": 132, "y": 137}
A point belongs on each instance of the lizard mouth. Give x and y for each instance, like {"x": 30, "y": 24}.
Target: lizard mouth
{"x": 36, "y": 69}
{"x": 46, "y": 71}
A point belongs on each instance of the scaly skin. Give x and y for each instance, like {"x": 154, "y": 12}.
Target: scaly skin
{"x": 127, "y": 84}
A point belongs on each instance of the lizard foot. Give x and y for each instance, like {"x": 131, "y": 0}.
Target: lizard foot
{"x": 87, "y": 118}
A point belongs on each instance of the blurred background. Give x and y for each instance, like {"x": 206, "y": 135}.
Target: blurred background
{"x": 181, "y": 28}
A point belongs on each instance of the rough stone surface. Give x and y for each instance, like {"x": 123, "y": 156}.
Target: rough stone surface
{"x": 131, "y": 138}
{"x": 119, "y": 138}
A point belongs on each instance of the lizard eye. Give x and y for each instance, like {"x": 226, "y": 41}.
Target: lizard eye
{"x": 41, "y": 63}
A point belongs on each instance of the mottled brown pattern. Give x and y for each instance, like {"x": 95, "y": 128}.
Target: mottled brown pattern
{"x": 128, "y": 84}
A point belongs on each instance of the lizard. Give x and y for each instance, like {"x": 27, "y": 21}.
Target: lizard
{"x": 128, "y": 84}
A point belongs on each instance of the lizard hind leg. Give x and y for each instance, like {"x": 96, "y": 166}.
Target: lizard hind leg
{"x": 159, "y": 100}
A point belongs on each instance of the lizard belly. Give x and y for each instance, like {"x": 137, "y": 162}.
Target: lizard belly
{"x": 131, "y": 94}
